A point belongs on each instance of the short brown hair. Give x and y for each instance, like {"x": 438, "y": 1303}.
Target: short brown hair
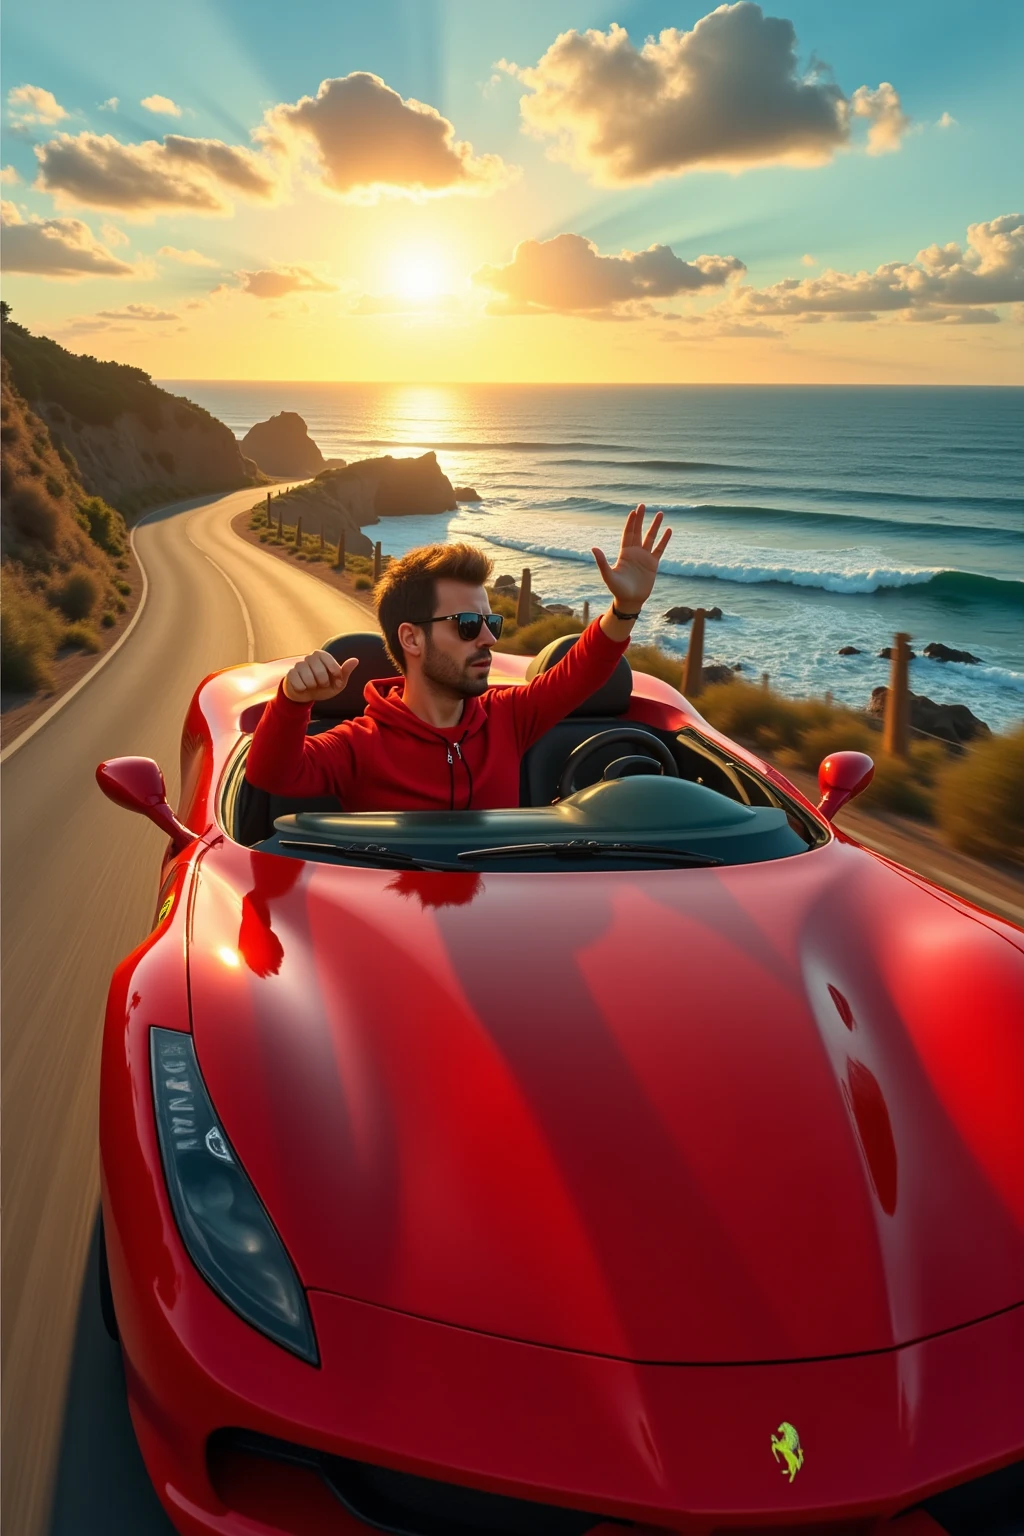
{"x": 407, "y": 590}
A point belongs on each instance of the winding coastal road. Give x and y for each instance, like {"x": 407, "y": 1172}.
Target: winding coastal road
{"x": 79, "y": 882}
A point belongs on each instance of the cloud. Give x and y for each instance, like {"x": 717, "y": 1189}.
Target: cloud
{"x": 29, "y": 104}
{"x": 177, "y": 175}
{"x": 163, "y": 106}
{"x": 133, "y": 312}
{"x": 114, "y": 236}
{"x": 365, "y": 141}
{"x": 807, "y": 260}
{"x": 725, "y": 96}
{"x": 274, "y": 285}
{"x": 944, "y": 283}
{"x": 883, "y": 110}
{"x": 61, "y": 248}
{"x": 188, "y": 258}
{"x": 9, "y": 176}
{"x": 110, "y": 105}
{"x": 567, "y": 275}
{"x": 947, "y": 120}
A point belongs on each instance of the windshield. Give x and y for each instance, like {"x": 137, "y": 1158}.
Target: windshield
{"x": 717, "y": 812}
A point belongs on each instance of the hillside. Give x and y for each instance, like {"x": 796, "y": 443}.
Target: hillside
{"x": 66, "y": 570}
{"x": 133, "y": 443}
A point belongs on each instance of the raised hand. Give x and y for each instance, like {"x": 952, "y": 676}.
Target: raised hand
{"x": 631, "y": 578}
{"x": 317, "y": 676}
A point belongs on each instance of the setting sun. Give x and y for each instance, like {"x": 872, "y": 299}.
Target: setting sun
{"x": 417, "y": 274}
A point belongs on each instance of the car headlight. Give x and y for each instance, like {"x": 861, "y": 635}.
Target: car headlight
{"x": 223, "y": 1224}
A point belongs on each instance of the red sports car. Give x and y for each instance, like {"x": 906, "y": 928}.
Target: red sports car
{"x": 649, "y": 1157}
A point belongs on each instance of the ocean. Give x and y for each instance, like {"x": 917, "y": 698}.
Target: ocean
{"x": 813, "y": 517}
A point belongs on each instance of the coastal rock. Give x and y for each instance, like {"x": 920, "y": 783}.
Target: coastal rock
{"x": 282, "y": 446}
{"x": 683, "y": 615}
{"x": 954, "y": 723}
{"x": 849, "y": 650}
{"x": 360, "y": 494}
{"x": 939, "y": 652}
{"x": 885, "y": 654}
{"x": 560, "y": 608}
{"x": 466, "y": 493}
{"x": 504, "y": 581}
{"x": 718, "y": 672}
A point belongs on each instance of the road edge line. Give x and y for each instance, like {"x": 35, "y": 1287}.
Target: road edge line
{"x": 250, "y": 636}
{"x": 65, "y": 698}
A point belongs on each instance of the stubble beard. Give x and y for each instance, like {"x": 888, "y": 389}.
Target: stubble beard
{"x": 445, "y": 673}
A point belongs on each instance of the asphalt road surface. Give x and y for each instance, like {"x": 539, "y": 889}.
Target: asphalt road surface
{"x": 79, "y": 883}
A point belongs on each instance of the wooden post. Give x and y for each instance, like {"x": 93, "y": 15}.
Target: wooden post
{"x": 280, "y": 521}
{"x": 322, "y": 546}
{"x": 693, "y": 667}
{"x": 268, "y": 509}
{"x": 586, "y": 614}
{"x": 766, "y": 680}
{"x": 376, "y": 562}
{"x": 524, "y": 606}
{"x": 298, "y": 533}
{"x": 896, "y": 729}
{"x": 828, "y": 697}
{"x": 339, "y": 564}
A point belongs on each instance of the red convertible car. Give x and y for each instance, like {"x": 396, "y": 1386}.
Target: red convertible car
{"x": 648, "y": 1157}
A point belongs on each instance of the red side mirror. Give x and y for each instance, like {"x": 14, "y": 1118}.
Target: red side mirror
{"x": 136, "y": 784}
{"x": 841, "y": 777}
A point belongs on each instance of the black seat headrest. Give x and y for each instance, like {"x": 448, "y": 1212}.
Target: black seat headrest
{"x": 374, "y": 661}
{"x": 612, "y": 698}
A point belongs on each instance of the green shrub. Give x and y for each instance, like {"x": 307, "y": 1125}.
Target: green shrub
{"x": 108, "y": 620}
{"x": 121, "y": 605}
{"x": 55, "y": 487}
{"x": 106, "y": 527}
{"x": 78, "y": 593}
{"x": 82, "y": 636}
{"x": 656, "y": 663}
{"x": 124, "y": 587}
{"x": 843, "y": 734}
{"x": 363, "y": 583}
{"x": 35, "y": 514}
{"x": 756, "y": 715}
{"x": 979, "y": 799}
{"x": 534, "y": 637}
{"x": 896, "y": 788}
{"x": 10, "y": 433}
{"x": 29, "y": 636}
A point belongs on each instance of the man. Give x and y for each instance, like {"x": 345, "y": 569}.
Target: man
{"x": 439, "y": 738}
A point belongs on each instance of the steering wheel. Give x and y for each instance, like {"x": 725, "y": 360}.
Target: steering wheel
{"x": 652, "y": 746}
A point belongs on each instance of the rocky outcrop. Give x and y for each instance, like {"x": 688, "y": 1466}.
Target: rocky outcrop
{"x": 358, "y": 495}
{"x": 885, "y": 654}
{"x": 849, "y": 650}
{"x": 683, "y": 615}
{"x": 954, "y": 723}
{"x": 939, "y": 652}
{"x": 467, "y": 493}
{"x": 718, "y": 672}
{"x": 282, "y": 446}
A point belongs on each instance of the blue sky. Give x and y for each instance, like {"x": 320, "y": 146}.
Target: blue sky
{"x": 224, "y": 63}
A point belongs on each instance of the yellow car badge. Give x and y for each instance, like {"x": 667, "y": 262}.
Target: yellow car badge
{"x": 168, "y": 904}
{"x": 787, "y": 1448}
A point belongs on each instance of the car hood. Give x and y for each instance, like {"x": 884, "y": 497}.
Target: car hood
{"x": 744, "y": 1114}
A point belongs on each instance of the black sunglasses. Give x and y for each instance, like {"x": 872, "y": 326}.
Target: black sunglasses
{"x": 470, "y": 624}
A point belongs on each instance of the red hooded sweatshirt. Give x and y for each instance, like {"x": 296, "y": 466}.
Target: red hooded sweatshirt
{"x": 388, "y": 759}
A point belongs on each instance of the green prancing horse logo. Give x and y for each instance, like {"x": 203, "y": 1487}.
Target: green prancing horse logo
{"x": 786, "y": 1446}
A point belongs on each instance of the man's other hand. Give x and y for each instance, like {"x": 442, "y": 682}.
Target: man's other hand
{"x": 317, "y": 676}
{"x": 632, "y": 576}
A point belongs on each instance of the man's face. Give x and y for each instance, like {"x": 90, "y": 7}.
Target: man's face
{"x": 460, "y": 667}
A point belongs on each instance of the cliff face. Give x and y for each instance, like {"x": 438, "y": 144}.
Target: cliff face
{"x": 135, "y": 462}
{"x": 65, "y": 572}
{"x": 135, "y": 444}
{"x": 283, "y": 446}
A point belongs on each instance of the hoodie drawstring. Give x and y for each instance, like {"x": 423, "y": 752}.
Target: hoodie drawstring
{"x": 469, "y": 775}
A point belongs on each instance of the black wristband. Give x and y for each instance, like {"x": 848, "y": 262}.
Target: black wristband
{"x": 619, "y": 615}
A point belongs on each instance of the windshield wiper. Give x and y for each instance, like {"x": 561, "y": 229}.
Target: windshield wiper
{"x": 372, "y": 853}
{"x": 590, "y": 848}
